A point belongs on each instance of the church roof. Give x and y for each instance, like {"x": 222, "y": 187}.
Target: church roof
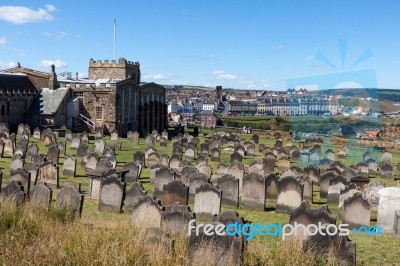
{"x": 48, "y": 102}
{"x": 10, "y": 81}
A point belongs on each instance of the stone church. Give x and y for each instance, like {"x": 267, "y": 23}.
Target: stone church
{"x": 111, "y": 99}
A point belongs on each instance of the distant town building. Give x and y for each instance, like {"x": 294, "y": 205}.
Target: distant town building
{"x": 208, "y": 119}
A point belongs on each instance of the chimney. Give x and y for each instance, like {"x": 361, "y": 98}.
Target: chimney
{"x": 53, "y": 78}
{"x": 76, "y": 76}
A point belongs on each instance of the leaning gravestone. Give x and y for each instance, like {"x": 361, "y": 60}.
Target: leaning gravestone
{"x": 146, "y": 213}
{"x": 134, "y": 172}
{"x": 112, "y": 192}
{"x": 16, "y": 163}
{"x": 53, "y": 153}
{"x": 133, "y": 195}
{"x": 215, "y": 155}
{"x": 174, "y": 192}
{"x": 70, "y": 199}
{"x": 41, "y": 195}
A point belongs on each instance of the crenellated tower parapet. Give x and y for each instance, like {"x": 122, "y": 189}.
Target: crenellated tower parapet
{"x": 121, "y": 69}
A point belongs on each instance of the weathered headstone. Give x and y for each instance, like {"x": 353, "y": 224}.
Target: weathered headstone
{"x": 174, "y": 192}
{"x": 176, "y": 217}
{"x": 290, "y": 195}
{"x": 146, "y": 213}
{"x": 48, "y": 172}
{"x": 163, "y": 176}
{"x": 41, "y": 195}
{"x": 133, "y": 195}
{"x": 229, "y": 185}
{"x": 356, "y": 211}
{"x": 111, "y": 195}
{"x": 253, "y": 192}
{"x": 389, "y": 202}
{"x": 69, "y": 199}
{"x": 207, "y": 201}
{"x": 23, "y": 177}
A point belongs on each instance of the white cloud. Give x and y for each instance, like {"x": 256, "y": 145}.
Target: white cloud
{"x": 61, "y": 34}
{"x": 21, "y": 14}
{"x": 5, "y": 65}
{"x": 157, "y": 77}
{"x": 3, "y": 41}
{"x": 277, "y": 46}
{"x": 47, "y": 34}
{"x": 220, "y": 74}
{"x": 56, "y": 63}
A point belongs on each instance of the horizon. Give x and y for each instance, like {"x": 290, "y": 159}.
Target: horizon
{"x": 243, "y": 46}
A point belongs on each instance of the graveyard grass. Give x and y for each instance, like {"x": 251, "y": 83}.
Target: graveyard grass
{"x": 30, "y": 236}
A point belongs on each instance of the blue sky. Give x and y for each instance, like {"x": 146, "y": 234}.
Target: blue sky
{"x": 240, "y": 44}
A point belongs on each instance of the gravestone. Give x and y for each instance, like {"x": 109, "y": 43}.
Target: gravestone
{"x": 207, "y": 201}
{"x": 186, "y": 172}
{"x": 386, "y": 157}
{"x": 69, "y": 166}
{"x": 146, "y": 213}
{"x": 255, "y": 138}
{"x": 36, "y": 133}
{"x": 201, "y": 159}
{"x": 99, "y": 146}
{"x": 75, "y": 142}
{"x": 253, "y": 192}
{"x": 237, "y": 170}
{"x": 386, "y": 170}
{"x": 111, "y": 195}
{"x": 84, "y": 138}
{"x": 149, "y": 151}
{"x": 389, "y": 202}
{"x": 134, "y": 171}
{"x": 229, "y": 185}
{"x": 174, "y": 192}
{"x": 283, "y": 165}
{"x": 290, "y": 195}
{"x": 8, "y": 147}
{"x": 138, "y": 157}
{"x": 306, "y": 215}
{"x": 152, "y": 159}
{"x": 41, "y": 196}
{"x": 174, "y": 162}
{"x": 135, "y": 138}
{"x": 150, "y": 140}
{"x": 163, "y": 142}
{"x": 61, "y": 146}
{"x": 23, "y": 177}
{"x": 117, "y": 145}
{"x": 345, "y": 194}
{"x": 220, "y": 250}
{"x": 114, "y": 135}
{"x": 70, "y": 199}
{"x": 215, "y": 155}
{"x": 356, "y": 211}
{"x": 33, "y": 170}
{"x": 48, "y": 172}
{"x": 163, "y": 176}
{"x": 236, "y": 156}
{"x": 256, "y": 168}
{"x": 371, "y": 192}
{"x": 324, "y": 183}
{"x": 195, "y": 181}
{"x": 133, "y": 195}
{"x": 271, "y": 186}
{"x": 190, "y": 154}
{"x": 336, "y": 184}
{"x": 269, "y": 164}
{"x": 176, "y": 217}
{"x": 16, "y": 163}
{"x": 324, "y": 245}
{"x": 81, "y": 151}
{"x": 91, "y": 161}
{"x": 13, "y": 193}
{"x": 53, "y": 153}
{"x": 205, "y": 169}
{"x": 204, "y": 149}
